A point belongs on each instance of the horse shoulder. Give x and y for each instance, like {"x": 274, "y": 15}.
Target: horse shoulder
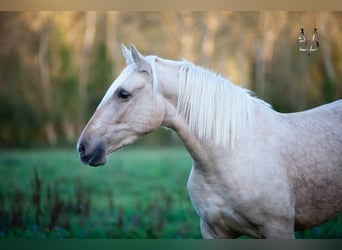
{"x": 223, "y": 198}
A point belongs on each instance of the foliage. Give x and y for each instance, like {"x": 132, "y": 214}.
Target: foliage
{"x": 56, "y": 66}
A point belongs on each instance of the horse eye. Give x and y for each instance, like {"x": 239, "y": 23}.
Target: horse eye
{"x": 124, "y": 94}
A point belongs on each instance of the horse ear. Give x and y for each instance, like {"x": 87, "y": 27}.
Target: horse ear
{"x": 126, "y": 54}
{"x": 140, "y": 61}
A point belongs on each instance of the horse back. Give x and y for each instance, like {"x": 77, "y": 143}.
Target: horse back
{"x": 314, "y": 158}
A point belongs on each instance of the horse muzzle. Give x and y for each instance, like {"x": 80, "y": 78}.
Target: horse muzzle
{"x": 93, "y": 157}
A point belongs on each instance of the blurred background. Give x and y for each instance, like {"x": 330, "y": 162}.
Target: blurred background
{"x": 56, "y": 66}
{"x": 54, "y": 70}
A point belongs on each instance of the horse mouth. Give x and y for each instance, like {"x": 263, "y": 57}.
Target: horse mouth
{"x": 98, "y": 156}
{"x": 94, "y": 161}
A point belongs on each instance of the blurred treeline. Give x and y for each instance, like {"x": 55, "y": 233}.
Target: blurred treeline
{"x": 56, "y": 66}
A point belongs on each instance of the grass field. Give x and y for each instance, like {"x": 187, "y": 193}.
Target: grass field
{"x": 140, "y": 193}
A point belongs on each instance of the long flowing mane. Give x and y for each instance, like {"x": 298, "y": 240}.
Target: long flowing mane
{"x": 213, "y": 107}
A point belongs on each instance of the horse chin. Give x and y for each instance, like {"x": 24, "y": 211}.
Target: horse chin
{"x": 96, "y": 162}
{"x": 125, "y": 142}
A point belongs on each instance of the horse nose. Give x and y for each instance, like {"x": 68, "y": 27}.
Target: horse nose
{"x": 94, "y": 156}
{"x": 81, "y": 149}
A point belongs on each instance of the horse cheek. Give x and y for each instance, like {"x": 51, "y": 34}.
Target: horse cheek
{"x": 147, "y": 120}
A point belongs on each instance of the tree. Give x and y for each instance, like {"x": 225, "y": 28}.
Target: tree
{"x": 88, "y": 41}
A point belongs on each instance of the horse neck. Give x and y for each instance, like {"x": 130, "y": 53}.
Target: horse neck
{"x": 168, "y": 80}
{"x": 201, "y": 150}
{"x": 241, "y": 120}
{"x": 197, "y": 149}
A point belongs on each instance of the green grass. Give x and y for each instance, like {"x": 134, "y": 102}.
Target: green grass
{"x": 140, "y": 193}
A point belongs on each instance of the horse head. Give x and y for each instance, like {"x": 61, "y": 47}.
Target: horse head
{"x": 130, "y": 109}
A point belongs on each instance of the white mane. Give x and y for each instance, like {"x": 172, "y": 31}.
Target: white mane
{"x": 213, "y": 107}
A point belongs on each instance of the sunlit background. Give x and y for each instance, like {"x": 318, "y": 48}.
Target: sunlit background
{"x": 56, "y": 66}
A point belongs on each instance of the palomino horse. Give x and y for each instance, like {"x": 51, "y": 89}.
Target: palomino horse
{"x": 255, "y": 171}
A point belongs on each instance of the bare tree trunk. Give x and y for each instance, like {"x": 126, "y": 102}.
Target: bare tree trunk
{"x": 210, "y": 27}
{"x": 112, "y": 38}
{"x": 260, "y": 54}
{"x": 88, "y": 41}
{"x": 270, "y": 25}
{"x": 169, "y": 23}
{"x": 45, "y": 77}
{"x": 330, "y": 83}
{"x": 186, "y": 25}
{"x": 325, "y": 44}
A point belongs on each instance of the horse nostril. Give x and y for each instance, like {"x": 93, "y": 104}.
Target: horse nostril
{"x": 81, "y": 149}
